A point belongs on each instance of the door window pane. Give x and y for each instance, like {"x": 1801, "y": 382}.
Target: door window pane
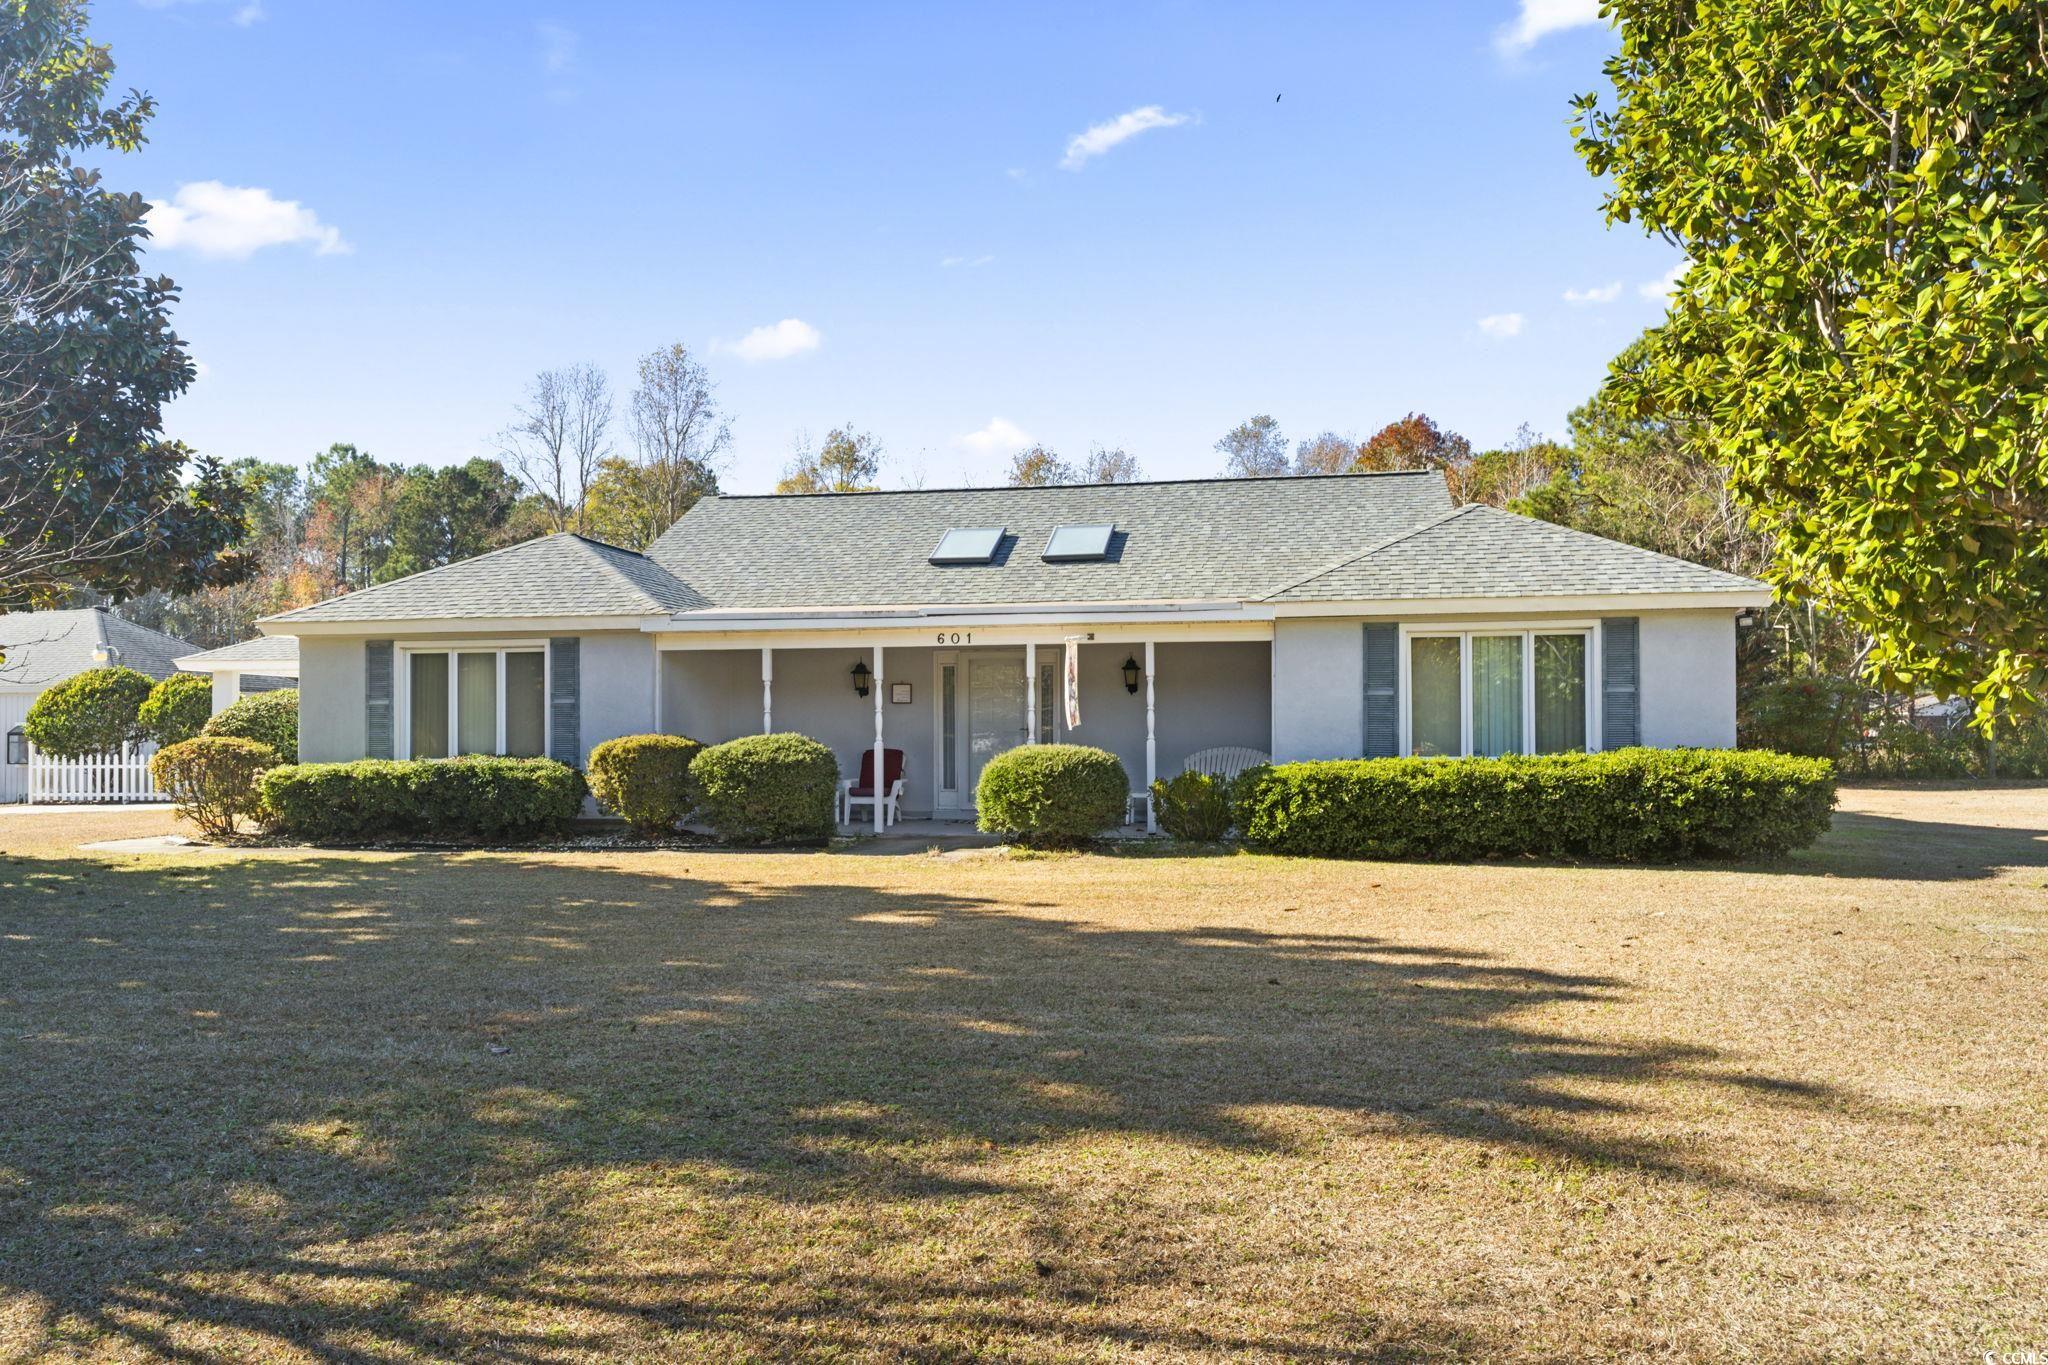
{"x": 1046, "y": 711}
{"x": 525, "y": 704}
{"x": 429, "y": 705}
{"x": 1496, "y": 695}
{"x": 476, "y": 704}
{"x": 948, "y": 712}
{"x": 1560, "y": 693}
{"x": 1433, "y": 695}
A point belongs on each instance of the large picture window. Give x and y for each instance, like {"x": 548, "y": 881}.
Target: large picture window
{"x": 1485, "y": 693}
{"x": 476, "y": 701}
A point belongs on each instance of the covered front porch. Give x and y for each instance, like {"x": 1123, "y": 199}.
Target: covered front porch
{"x": 950, "y": 700}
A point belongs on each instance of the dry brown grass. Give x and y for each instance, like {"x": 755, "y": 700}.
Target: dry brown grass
{"x": 680, "y": 1105}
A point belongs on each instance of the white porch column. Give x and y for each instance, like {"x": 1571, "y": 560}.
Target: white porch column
{"x": 1030, "y": 692}
{"x": 1151, "y": 748}
{"x": 881, "y": 788}
{"x": 227, "y": 690}
{"x": 657, "y": 689}
{"x": 767, "y": 690}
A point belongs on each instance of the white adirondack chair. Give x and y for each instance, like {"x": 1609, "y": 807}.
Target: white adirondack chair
{"x": 1226, "y": 762}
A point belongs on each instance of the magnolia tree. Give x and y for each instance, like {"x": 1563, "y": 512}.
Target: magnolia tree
{"x": 1859, "y": 335}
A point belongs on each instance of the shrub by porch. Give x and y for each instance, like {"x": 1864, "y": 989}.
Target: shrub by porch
{"x": 475, "y": 797}
{"x": 1052, "y": 794}
{"x": 1634, "y": 805}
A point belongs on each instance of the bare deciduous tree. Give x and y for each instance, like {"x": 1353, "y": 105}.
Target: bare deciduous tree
{"x": 561, "y": 436}
{"x": 679, "y": 434}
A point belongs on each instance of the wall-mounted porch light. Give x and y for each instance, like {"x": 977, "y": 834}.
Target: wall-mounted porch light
{"x": 861, "y": 677}
{"x": 1131, "y": 675}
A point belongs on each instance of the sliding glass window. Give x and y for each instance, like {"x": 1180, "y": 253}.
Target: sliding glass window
{"x": 1486, "y": 693}
{"x": 476, "y": 701}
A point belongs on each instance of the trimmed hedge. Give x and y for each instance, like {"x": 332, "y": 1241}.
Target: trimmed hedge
{"x": 1052, "y": 794}
{"x": 213, "y": 779}
{"x": 268, "y": 718}
{"x": 176, "y": 709}
{"x": 474, "y": 797}
{"x": 1637, "y": 805}
{"x": 767, "y": 789}
{"x": 1193, "y": 806}
{"x": 645, "y": 780}
{"x": 90, "y": 713}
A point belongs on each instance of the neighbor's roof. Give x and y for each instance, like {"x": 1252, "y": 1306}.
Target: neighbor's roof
{"x": 44, "y": 647}
{"x": 260, "y": 649}
{"x": 558, "y": 575}
{"x": 1205, "y": 539}
{"x": 1481, "y": 551}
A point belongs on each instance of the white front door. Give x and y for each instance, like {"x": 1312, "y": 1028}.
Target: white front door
{"x": 996, "y": 698}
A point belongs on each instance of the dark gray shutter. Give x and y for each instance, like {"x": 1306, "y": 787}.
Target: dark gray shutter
{"x": 1382, "y": 684}
{"x": 377, "y": 708}
{"x": 1621, "y": 672}
{"x": 565, "y": 700}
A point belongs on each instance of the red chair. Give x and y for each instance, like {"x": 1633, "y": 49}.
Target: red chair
{"x": 862, "y": 791}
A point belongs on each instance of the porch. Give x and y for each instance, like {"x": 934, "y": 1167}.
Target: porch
{"x": 952, "y": 703}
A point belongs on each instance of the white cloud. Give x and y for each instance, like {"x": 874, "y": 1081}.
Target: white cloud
{"x": 557, "y": 48}
{"x": 1539, "y": 18}
{"x": 1000, "y": 436}
{"x": 775, "y": 341}
{"x": 1662, "y": 289}
{"x": 236, "y": 221}
{"x": 948, "y": 262}
{"x": 251, "y": 13}
{"x": 1501, "y": 325}
{"x": 1603, "y": 293}
{"x": 1103, "y": 136}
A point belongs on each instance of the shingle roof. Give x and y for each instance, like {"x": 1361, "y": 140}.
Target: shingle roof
{"x": 261, "y": 649}
{"x": 1481, "y": 551}
{"x": 558, "y": 575}
{"x": 44, "y": 647}
{"x": 1213, "y": 539}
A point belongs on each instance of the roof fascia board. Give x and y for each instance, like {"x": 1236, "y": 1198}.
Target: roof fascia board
{"x": 458, "y": 625}
{"x": 936, "y": 635}
{"x": 838, "y": 619}
{"x": 1581, "y": 602}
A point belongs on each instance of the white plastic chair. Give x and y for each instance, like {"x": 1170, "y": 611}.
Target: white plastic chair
{"x": 1225, "y": 762}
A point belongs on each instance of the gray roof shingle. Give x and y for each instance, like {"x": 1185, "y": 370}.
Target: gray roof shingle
{"x": 1481, "y": 551}
{"x": 260, "y": 649}
{"x": 1212, "y": 540}
{"x": 38, "y": 648}
{"x": 558, "y": 575}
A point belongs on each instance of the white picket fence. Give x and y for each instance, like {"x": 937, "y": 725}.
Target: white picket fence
{"x": 96, "y": 778}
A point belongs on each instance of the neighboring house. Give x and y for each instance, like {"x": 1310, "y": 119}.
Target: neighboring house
{"x": 42, "y": 648}
{"x": 1299, "y": 617}
{"x": 263, "y": 664}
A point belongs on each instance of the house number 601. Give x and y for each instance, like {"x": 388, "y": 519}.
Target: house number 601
{"x": 956, "y": 638}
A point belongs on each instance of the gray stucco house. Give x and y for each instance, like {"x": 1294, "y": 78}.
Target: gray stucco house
{"x": 1300, "y": 617}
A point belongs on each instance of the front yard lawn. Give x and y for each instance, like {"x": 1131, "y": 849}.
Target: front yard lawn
{"x": 676, "y": 1104}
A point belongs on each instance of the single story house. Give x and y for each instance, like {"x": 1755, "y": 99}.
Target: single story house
{"x": 39, "y": 649}
{"x": 1302, "y": 618}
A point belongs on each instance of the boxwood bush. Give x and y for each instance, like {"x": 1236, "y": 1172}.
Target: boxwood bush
{"x": 442, "y": 798}
{"x": 93, "y": 712}
{"x": 1641, "y": 805}
{"x": 213, "y": 778}
{"x": 1194, "y": 806}
{"x": 1052, "y": 794}
{"x": 176, "y": 708}
{"x": 268, "y": 718}
{"x": 645, "y": 780}
{"x": 767, "y": 789}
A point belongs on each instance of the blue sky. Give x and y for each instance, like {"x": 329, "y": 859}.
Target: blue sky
{"x": 387, "y": 217}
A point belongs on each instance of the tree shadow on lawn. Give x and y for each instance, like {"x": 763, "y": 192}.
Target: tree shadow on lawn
{"x": 1891, "y": 848}
{"x": 223, "y": 1076}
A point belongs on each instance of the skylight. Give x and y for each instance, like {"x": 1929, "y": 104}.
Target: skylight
{"x": 968, "y": 545}
{"x": 1078, "y": 542}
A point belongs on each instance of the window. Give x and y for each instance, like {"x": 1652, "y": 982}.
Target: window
{"x": 1048, "y": 713}
{"x": 1488, "y": 693}
{"x": 949, "y": 778}
{"x": 1077, "y": 542}
{"x": 476, "y": 701}
{"x": 969, "y": 545}
{"x": 17, "y": 747}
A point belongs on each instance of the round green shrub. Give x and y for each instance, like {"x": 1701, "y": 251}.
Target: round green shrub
{"x": 767, "y": 789}
{"x": 645, "y": 780}
{"x": 92, "y": 713}
{"x": 1193, "y": 806}
{"x": 268, "y": 718}
{"x": 176, "y": 709}
{"x": 1053, "y": 794}
{"x": 475, "y": 797}
{"x": 213, "y": 778}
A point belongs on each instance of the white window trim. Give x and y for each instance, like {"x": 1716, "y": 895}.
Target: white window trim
{"x": 401, "y": 739}
{"x": 1528, "y": 630}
